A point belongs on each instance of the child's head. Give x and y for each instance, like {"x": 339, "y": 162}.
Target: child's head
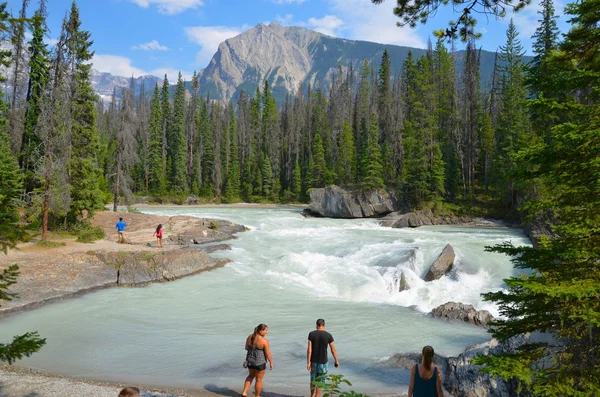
{"x": 130, "y": 392}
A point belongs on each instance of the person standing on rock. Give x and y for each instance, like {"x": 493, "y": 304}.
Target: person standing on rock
{"x": 130, "y": 392}
{"x": 316, "y": 355}
{"x": 425, "y": 378}
{"x": 159, "y": 234}
{"x": 121, "y": 225}
{"x": 258, "y": 353}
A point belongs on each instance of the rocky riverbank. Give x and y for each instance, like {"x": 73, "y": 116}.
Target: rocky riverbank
{"x": 51, "y": 274}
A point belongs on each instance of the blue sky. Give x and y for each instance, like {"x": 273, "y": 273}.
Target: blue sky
{"x": 137, "y": 37}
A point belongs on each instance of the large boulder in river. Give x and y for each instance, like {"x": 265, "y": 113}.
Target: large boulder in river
{"x": 336, "y": 202}
{"x": 442, "y": 265}
{"x": 460, "y": 311}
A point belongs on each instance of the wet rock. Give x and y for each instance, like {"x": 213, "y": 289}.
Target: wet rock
{"x": 464, "y": 378}
{"x": 442, "y": 265}
{"x": 409, "y": 360}
{"x": 336, "y": 202}
{"x": 191, "y": 200}
{"x": 462, "y": 312}
{"x": 140, "y": 268}
{"x": 403, "y": 283}
{"x": 402, "y": 219}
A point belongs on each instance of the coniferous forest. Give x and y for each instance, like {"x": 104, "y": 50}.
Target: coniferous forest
{"x": 433, "y": 136}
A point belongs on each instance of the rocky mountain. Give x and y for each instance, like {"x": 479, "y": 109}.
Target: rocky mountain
{"x": 105, "y": 83}
{"x": 288, "y": 56}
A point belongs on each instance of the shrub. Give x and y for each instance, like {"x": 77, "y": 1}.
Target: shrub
{"x": 88, "y": 233}
{"x": 50, "y": 244}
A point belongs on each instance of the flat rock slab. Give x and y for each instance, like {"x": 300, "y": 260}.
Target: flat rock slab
{"x": 23, "y": 383}
{"x": 402, "y": 219}
{"x": 461, "y": 312}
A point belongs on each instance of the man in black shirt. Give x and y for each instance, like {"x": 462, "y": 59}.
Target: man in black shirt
{"x": 316, "y": 354}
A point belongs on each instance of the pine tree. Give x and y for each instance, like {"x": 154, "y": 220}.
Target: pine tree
{"x": 86, "y": 196}
{"x": 267, "y": 176}
{"x": 559, "y": 295}
{"x": 319, "y": 166}
{"x": 373, "y": 168}
{"x": 165, "y": 124}
{"x": 297, "y": 181}
{"x": 232, "y": 191}
{"x": 512, "y": 125}
{"x": 346, "y": 160}
{"x": 539, "y": 79}
{"x": 177, "y": 143}
{"x": 11, "y": 231}
{"x": 39, "y": 76}
{"x": 157, "y": 182}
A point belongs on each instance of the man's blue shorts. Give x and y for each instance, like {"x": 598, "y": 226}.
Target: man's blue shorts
{"x": 317, "y": 370}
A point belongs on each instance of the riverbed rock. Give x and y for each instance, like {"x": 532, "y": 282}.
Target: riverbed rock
{"x": 191, "y": 200}
{"x": 401, "y": 219}
{"x": 140, "y": 268}
{"x": 403, "y": 283}
{"x": 336, "y": 202}
{"x": 460, "y": 311}
{"x": 464, "y": 378}
{"x": 442, "y": 265}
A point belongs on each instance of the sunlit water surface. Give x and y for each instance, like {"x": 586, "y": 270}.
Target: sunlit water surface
{"x": 286, "y": 272}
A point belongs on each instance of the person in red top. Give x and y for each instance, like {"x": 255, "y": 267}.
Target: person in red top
{"x": 158, "y": 233}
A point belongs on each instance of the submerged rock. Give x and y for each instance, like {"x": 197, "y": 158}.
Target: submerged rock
{"x": 442, "y": 265}
{"x": 336, "y": 202}
{"x": 402, "y": 219}
{"x": 462, "y": 312}
{"x": 403, "y": 283}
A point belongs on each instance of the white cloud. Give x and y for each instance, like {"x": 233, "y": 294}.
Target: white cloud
{"x": 209, "y": 38}
{"x": 285, "y": 20}
{"x": 153, "y": 45}
{"x": 364, "y": 20}
{"x": 116, "y": 65}
{"x": 170, "y": 6}
{"x": 122, "y": 66}
{"x": 329, "y": 24}
{"x": 288, "y": 1}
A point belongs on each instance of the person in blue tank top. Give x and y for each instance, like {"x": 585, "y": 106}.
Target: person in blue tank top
{"x": 425, "y": 378}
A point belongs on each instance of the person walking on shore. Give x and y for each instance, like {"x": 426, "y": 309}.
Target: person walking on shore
{"x": 425, "y": 378}
{"x": 258, "y": 353}
{"x": 121, "y": 230}
{"x": 316, "y": 355}
{"x": 159, "y": 234}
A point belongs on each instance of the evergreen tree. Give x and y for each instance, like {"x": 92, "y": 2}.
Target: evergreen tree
{"x": 165, "y": 124}
{"x": 346, "y": 160}
{"x": 11, "y": 231}
{"x": 559, "y": 296}
{"x": 373, "y": 168}
{"x": 157, "y": 182}
{"x": 39, "y": 76}
{"x": 208, "y": 158}
{"x": 539, "y": 78}
{"x": 512, "y": 126}
{"x": 86, "y": 196}
{"x": 267, "y": 176}
{"x": 177, "y": 143}
{"x": 297, "y": 181}
{"x": 232, "y": 191}
{"x": 319, "y": 167}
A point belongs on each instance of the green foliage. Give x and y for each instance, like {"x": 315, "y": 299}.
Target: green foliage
{"x": 86, "y": 196}
{"x": 156, "y": 181}
{"x": 331, "y": 385}
{"x": 560, "y": 296}
{"x": 177, "y": 141}
{"x": 372, "y": 163}
{"x": 412, "y": 13}
{"x": 86, "y": 233}
{"x": 50, "y": 244}
{"x": 213, "y": 226}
